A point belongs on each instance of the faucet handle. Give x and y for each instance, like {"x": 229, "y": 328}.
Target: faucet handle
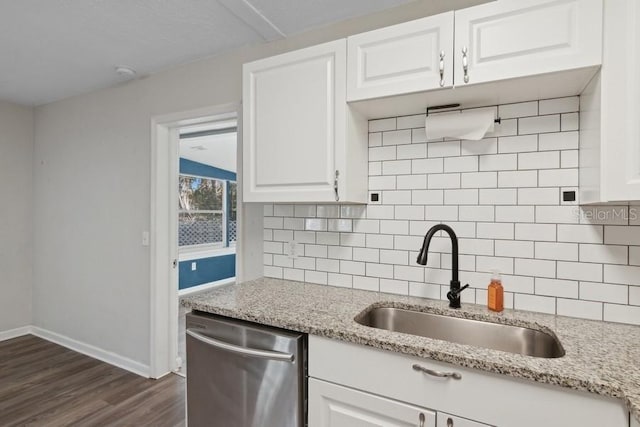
{"x": 454, "y": 296}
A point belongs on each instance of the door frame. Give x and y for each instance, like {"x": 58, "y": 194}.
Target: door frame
{"x": 163, "y": 228}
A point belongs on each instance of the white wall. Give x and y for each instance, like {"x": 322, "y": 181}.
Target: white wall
{"x": 16, "y": 192}
{"x": 92, "y": 190}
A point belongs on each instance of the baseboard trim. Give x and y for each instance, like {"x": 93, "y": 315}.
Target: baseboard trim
{"x": 15, "y": 333}
{"x": 92, "y": 351}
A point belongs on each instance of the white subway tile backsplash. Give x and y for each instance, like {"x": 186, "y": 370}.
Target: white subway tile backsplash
{"x": 521, "y": 109}
{"x": 443, "y": 149}
{"x": 443, "y": 180}
{"x": 461, "y": 164}
{"x": 535, "y": 268}
{"x": 412, "y": 151}
{"x": 483, "y": 146}
{"x": 414, "y": 121}
{"x": 326, "y": 238}
{"x": 569, "y": 159}
{"x": 382, "y": 153}
{"x": 396, "y": 137}
{"x": 538, "y": 196}
{"x": 622, "y": 235}
{"x": 558, "y": 141}
{"x": 581, "y": 309}
{"x": 488, "y": 264}
{"x": 624, "y": 274}
{"x": 557, "y": 214}
{"x": 380, "y": 212}
{"x": 498, "y": 162}
{"x": 377, "y": 183}
{"x": 476, "y": 213}
{"x": 514, "y": 248}
{"x": 634, "y": 295}
{"x": 580, "y": 271}
{"x": 557, "y": 251}
{"x": 534, "y": 303}
{"x": 622, "y": 314}
{"x": 539, "y": 160}
{"x": 558, "y": 178}
{"x": 515, "y": 213}
{"x": 498, "y": 196}
{"x": 375, "y": 139}
{"x": 410, "y": 212}
{"x": 366, "y": 283}
{"x": 559, "y": 105}
{"x": 461, "y": 197}
{"x": 556, "y": 288}
{"x": 479, "y": 180}
{"x": 514, "y": 179}
{"x": 517, "y": 144}
{"x": 396, "y": 167}
{"x": 604, "y": 292}
{"x": 539, "y": 124}
{"x": 580, "y": 233}
{"x": 569, "y": 122}
{"x": 381, "y": 125}
{"x": 411, "y": 182}
{"x": 502, "y": 196}
{"x": 488, "y": 230}
{"x": 293, "y": 274}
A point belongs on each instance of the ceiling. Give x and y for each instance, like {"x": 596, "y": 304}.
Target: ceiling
{"x": 53, "y": 49}
{"x": 214, "y": 150}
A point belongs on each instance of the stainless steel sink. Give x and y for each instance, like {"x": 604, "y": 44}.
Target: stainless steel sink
{"x": 513, "y": 339}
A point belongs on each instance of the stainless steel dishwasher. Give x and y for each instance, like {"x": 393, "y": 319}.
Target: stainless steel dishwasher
{"x": 241, "y": 374}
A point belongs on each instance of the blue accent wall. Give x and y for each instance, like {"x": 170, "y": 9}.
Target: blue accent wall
{"x": 190, "y": 167}
{"x": 207, "y": 270}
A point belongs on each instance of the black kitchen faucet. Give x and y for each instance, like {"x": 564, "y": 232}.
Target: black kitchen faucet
{"x": 454, "y": 286}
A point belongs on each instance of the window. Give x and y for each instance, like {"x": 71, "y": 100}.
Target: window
{"x": 202, "y": 212}
{"x": 232, "y": 209}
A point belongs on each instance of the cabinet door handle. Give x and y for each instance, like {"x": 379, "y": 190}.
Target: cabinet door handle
{"x": 442, "y": 53}
{"x": 335, "y": 185}
{"x": 465, "y": 64}
{"x": 454, "y": 375}
{"x": 449, "y": 422}
{"x": 421, "y": 418}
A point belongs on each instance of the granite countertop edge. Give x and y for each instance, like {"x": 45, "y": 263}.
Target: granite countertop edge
{"x": 346, "y": 329}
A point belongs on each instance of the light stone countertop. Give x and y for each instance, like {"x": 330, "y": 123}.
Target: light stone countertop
{"x": 601, "y": 357}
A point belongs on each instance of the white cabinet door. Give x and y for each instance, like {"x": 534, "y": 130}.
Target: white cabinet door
{"x": 634, "y": 422}
{"x": 294, "y": 114}
{"x": 332, "y": 405}
{"x": 409, "y": 57}
{"x": 447, "y": 420}
{"x": 515, "y": 38}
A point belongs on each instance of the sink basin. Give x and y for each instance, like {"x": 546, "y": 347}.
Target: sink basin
{"x": 512, "y": 339}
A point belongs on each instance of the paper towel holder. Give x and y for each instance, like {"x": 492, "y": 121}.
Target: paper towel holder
{"x": 450, "y": 106}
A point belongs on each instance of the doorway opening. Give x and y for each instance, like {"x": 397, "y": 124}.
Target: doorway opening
{"x": 207, "y": 213}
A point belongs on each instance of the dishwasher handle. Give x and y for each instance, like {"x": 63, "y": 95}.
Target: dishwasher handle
{"x": 260, "y": 354}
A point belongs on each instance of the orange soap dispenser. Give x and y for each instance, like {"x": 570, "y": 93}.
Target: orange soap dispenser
{"x": 495, "y": 293}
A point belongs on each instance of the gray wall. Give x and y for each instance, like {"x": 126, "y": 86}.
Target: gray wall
{"x": 16, "y": 215}
{"x": 92, "y": 189}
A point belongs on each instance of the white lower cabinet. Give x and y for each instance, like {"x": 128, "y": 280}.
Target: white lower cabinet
{"x": 332, "y": 405}
{"x": 368, "y": 384}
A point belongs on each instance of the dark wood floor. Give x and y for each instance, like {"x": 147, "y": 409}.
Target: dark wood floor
{"x": 44, "y": 384}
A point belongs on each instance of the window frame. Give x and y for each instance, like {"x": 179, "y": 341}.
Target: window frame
{"x": 205, "y": 246}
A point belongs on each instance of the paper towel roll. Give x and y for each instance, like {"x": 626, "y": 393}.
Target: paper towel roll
{"x": 472, "y": 124}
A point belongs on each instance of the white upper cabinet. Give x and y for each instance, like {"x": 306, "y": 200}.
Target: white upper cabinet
{"x": 300, "y": 141}
{"x": 516, "y": 38}
{"x": 610, "y": 112}
{"x": 409, "y": 57}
